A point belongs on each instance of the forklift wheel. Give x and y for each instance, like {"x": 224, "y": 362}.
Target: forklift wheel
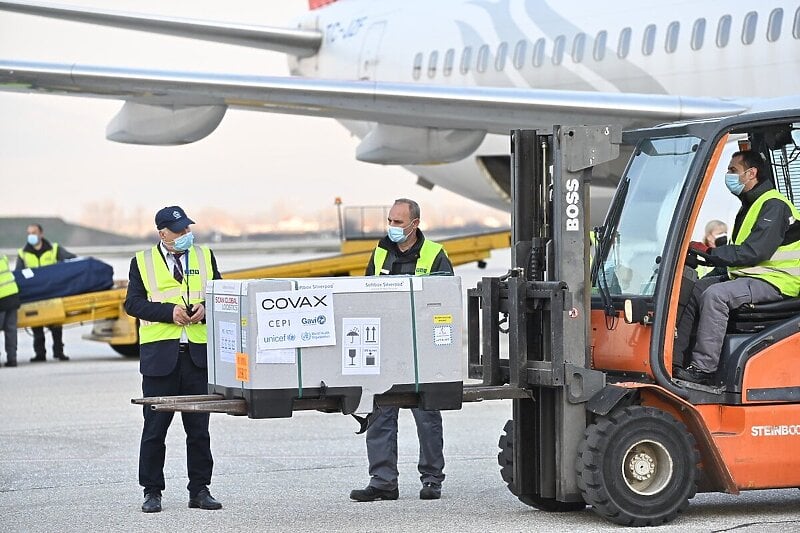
{"x": 638, "y": 466}
{"x": 505, "y": 459}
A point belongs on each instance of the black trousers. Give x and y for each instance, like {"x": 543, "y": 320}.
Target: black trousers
{"x": 186, "y": 378}
{"x": 38, "y": 341}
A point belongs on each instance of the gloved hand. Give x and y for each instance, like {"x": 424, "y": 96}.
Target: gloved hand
{"x": 699, "y": 246}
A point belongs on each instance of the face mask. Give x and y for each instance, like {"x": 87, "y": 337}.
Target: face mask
{"x": 33, "y": 240}
{"x": 733, "y": 184}
{"x": 397, "y": 234}
{"x": 184, "y": 242}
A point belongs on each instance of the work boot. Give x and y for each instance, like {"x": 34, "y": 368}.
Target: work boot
{"x": 204, "y": 500}
{"x": 690, "y": 373}
{"x": 61, "y": 357}
{"x": 430, "y": 491}
{"x": 38, "y": 359}
{"x": 371, "y": 494}
{"x": 152, "y": 502}
{"x": 11, "y": 363}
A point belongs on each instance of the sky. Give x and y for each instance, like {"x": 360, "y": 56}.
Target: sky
{"x": 256, "y": 168}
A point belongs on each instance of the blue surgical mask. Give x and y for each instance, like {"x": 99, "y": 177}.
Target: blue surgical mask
{"x": 33, "y": 240}
{"x": 184, "y": 242}
{"x": 733, "y": 184}
{"x": 397, "y": 234}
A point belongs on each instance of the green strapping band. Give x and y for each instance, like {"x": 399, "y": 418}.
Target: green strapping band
{"x": 414, "y": 334}
{"x": 299, "y": 353}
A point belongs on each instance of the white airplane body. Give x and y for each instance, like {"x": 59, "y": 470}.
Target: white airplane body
{"x": 435, "y": 86}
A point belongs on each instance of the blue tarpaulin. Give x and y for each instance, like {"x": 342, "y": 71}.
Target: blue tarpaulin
{"x": 75, "y": 276}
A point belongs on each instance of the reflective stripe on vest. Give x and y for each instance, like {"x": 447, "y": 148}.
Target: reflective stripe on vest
{"x": 163, "y": 288}
{"x": 50, "y": 257}
{"x": 8, "y": 285}
{"x": 427, "y": 255}
{"x": 782, "y": 269}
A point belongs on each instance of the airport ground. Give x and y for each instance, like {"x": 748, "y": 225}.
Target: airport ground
{"x": 68, "y": 462}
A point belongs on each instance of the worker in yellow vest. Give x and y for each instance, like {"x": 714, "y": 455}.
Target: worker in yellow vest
{"x": 166, "y": 292}
{"x": 9, "y": 303}
{"x": 404, "y": 250}
{"x": 761, "y": 260}
{"x": 39, "y": 252}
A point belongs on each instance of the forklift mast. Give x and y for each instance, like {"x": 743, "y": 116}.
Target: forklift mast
{"x": 545, "y": 299}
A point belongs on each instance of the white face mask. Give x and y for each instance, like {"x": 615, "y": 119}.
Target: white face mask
{"x": 398, "y": 234}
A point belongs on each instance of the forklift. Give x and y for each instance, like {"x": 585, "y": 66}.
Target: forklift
{"x": 590, "y": 316}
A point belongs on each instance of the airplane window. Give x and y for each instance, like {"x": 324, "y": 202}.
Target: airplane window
{"x": 466, "y": 57}
{"x": 500, "y": 60}
{"x": 698, "y": 33}
{"x": 483, "y": 58}
{"x": 774, "y": 25}
{"x": 672, "y": 36}
{"x": 724, "y": 31}
{"x": 796, "y": 26}
{"x": 749, "y": 27}
{"x": 558, "y": 49}
{"x": 649, "y": 39}
{"x": 577, "y": 47}
{"x": 538, "y": 53}
{"x": 600, "y": 45}
{"x": 519, "y": 53}
{"x": 417, "y": 66}
{"x": 624, "y": 43}
{"x": 433, "y": 59}
{"x": 449, "y": 58}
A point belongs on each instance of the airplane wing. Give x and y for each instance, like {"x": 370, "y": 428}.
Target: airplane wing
{"x": 300, "y": 43}
{"x": 150, "y": 94}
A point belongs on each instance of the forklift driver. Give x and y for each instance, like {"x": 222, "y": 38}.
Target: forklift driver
{"x": 760, "y": 264}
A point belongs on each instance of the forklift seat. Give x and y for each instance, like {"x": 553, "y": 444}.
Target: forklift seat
{"x": 752, "y": 318}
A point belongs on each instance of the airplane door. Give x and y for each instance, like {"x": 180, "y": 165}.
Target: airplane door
{"x": 368, "y": 60}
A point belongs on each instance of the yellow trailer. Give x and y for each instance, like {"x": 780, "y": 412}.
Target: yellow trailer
{"x": 105, "y": 309}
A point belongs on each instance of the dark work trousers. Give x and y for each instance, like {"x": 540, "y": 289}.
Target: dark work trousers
{"x": 38, "y": 341}
{"x": 716, "y": 304}
{"x": 187, "y": 378}
{"x": 382, "y": 447}
{"x": 8, "y": 325}
{"x": 687, "y": 323}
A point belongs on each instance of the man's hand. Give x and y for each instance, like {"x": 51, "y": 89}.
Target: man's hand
{"x": 180, "y": 317}
{"x": 198, "y": 313}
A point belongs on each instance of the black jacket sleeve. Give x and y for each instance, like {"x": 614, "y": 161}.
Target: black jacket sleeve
{"x": 766, "y": 236}
{"x": 63, "y": 254}
{"x": 442, "y": 265}
{"x": 371, "y": 265}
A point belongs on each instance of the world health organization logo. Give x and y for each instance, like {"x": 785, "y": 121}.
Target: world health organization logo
{"x": 306, "y": 336}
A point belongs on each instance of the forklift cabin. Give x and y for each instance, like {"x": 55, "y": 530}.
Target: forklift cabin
{"x": 602, "y": 422}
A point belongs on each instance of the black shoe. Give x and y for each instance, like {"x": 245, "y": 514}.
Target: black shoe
{"x": 694, "y": 375}
{"x": 430, "y": 491}
{"x": 61, "y": 357}
{"x": 38, "y": 359}
{"x": 152, "y": 502}
{"x": 371, "y": 494}
{"x": 204, "y": 500}
{"x": 11, "y": 363}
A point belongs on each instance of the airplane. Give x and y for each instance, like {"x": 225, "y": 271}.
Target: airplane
{"x": 436, "y": 86}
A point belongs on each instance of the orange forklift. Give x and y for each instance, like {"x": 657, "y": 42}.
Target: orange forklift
{"x": 590, "y": 316}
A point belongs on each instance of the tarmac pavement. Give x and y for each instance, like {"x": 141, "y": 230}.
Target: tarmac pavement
{"x": 68, "y": 462}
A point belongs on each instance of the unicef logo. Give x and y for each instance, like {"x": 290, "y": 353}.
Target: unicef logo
{"x": 291, "y": 336}
{"x": 321, "y": 319}
{"x": 306, "y": 336}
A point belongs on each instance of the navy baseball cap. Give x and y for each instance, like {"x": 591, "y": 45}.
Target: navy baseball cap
{"x": 173, "y": 218}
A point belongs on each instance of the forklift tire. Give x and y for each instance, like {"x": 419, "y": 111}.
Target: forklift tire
{"x": 638, "y": 466}
{"x": 127, "y": 350}
{"x": 505, "y": 458}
